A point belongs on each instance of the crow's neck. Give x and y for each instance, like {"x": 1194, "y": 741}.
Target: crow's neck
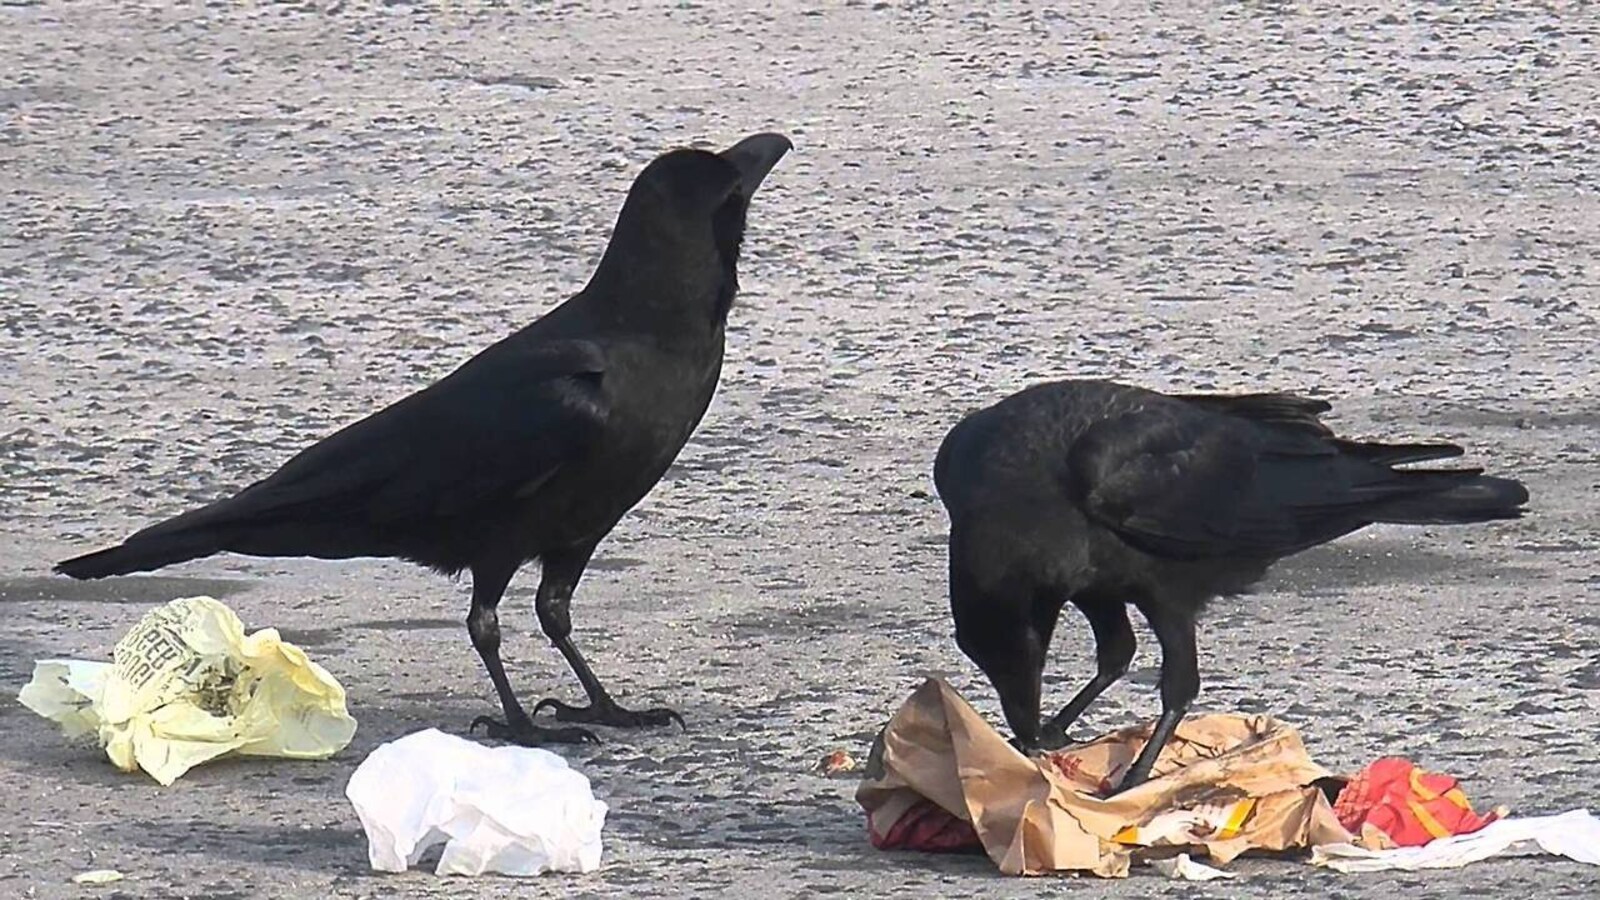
{"x": 666, "y": 286}
{"x": 663, "y": 299}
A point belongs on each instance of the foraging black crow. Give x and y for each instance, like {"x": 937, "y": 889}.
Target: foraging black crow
{"x": 1105, "y": 496}
{"x": 534, "y": 448}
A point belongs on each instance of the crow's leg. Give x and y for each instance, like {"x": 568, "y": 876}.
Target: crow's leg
{"x": 1113, "y": 649}
{"x": 554, "y": 605}
{"x": 1180, "y": 683}
{"x": 483, "y": 623}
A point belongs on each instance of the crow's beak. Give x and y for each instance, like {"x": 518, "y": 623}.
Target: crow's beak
{"x": 755, "y": 156}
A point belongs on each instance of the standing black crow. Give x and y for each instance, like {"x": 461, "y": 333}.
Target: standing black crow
{"x": 1102, "y": 496}
{"x": 534, "y": 448}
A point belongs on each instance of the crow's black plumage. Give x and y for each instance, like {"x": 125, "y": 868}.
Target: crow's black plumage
{"x": 1105, "y": 496}
{"x": 534, "y": 448}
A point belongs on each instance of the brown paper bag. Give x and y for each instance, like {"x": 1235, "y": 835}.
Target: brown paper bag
{"x": 1223, "y": 785}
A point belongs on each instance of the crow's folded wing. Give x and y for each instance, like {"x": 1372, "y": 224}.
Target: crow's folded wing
{"x": 1185, "y": 484}
{"x": 496, "y": 428}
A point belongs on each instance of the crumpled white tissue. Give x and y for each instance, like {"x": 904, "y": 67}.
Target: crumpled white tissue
{"x": 1575, "y": 835}
{"x": 511, "y": 810}
{"x": 1184, "y": 867}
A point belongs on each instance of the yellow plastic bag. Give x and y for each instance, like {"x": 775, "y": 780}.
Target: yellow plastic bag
{"x": 186, "y": 685}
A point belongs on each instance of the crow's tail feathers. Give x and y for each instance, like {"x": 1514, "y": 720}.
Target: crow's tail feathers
{"x": 1455, "y": 498}
{"x": 141, "y": 553}
{"x": 1399, "y": 454}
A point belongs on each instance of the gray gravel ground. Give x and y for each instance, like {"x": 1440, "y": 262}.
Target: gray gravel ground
{"x": 226, "y": 231}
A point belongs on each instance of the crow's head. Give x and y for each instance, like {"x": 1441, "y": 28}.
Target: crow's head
{"x": 676, "y": 244}
{"x": 999, "y": 635}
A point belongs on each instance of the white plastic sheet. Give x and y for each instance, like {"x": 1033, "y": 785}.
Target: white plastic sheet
{"x": 510, "y": 810}
{"x": 1575, "y": 835}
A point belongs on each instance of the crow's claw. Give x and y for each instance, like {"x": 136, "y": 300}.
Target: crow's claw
{"x": 528, "y": 734}
{"x": 610, "y": 714}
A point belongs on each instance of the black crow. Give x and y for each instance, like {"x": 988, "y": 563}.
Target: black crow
{"x": 534, "y": 448}
{"x": 1105, "y": 496}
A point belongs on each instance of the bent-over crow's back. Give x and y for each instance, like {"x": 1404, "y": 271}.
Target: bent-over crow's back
{"x": 1104, "y": 496}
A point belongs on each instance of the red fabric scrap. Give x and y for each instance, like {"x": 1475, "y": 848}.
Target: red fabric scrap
{"x": 928, "y": 827}
{"x": 1395, "y": 804}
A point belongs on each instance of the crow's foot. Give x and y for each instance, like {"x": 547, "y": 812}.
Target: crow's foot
{"x": 609, "y": 713}
{"x": 530, "y": 735}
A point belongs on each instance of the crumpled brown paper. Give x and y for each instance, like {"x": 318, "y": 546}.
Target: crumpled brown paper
{"x": 1223, "y": 785}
